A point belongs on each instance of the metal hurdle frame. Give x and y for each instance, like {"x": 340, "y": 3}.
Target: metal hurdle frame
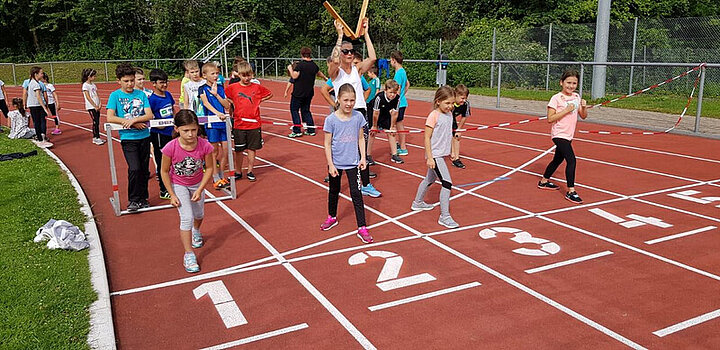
{"x": 115, "y": 199}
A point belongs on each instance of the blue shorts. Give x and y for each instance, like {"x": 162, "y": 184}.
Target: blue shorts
{"x": 215, "y": 135}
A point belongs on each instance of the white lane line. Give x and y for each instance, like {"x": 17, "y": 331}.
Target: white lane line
{"x": 258, "y": 337}
{"x": 364, "y": 342}
{"x": 687, "y": 324}
{"x": 679, "y": 235}
{"x": 606, "y": 215}
{"x": 677, "y": 209}
{"x": 569, "y": 262}
{"x": 423, "y": 296}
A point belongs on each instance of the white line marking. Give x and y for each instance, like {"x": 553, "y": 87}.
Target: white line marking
{"x": 569, "y": 262}
{"x": 679, "y": 235}
{"x": 258, "y": 337}
{"x": 687, "y": 324}
{"x": 606, "y": 215}
{"x": 423, "y": 296}
{"x": 405, "y": 282}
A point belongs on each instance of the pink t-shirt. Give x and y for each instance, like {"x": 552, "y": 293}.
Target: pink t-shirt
{"x": 565, "y": 127}
{"x": 187, "y": 166}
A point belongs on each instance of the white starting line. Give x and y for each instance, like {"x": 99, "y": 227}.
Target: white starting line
{"x": 258, "y": 337}
{"x": 687, "y": 324}
{"x": 679, "y": 235}
{"x": 424, "y": 296}
{"x": 569, "y": 262}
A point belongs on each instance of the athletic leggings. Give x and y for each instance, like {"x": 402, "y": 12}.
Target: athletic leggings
{"x": 365, "y": 174}
{"x": 38, "y": 116}
{"x": 95, "y": 116}
{"x": 353, "y": 176}
{"x": 441, "y": 173}
{"x": 562, "y": 151}
{"x": 189, "y": 210}
{"x": 51, "y": 107}
{"x": 4, "y": 108}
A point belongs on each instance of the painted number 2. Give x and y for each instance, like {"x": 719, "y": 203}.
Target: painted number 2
{"x": 388, "y": 279}
{"x": 224, "y": 304}
{"x": 521, "y": 237}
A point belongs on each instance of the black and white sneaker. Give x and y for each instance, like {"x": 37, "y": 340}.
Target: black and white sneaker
{"x": 133, "y": 207}
{"x": 251, "y": 176}
{"x": 238, "y": 176}
{"x": 327, "y": 179}
{"x": 458, "y": 163}
{"x": 370, "y": 160}
{"x": 373, "y": 175}
{"x": 547, "y": 186}
{"x": 573, "y": 197}
{"x": 396, "y": 159}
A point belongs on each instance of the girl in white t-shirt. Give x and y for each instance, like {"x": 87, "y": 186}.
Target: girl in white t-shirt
{"x": 19, "y": 121}
{"x": 53, "y": 103}
{"x": 92, "y": 102}
{"x": 562, "y": 112}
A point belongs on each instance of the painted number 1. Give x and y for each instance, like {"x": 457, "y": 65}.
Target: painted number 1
{"x": 224, "y": 304}
{"x": 388, "y": 279}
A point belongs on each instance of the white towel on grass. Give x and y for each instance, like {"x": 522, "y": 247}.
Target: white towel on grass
{"x": 61, "y": 234}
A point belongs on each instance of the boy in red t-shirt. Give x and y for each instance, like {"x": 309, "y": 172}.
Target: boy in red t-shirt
{"x": 246, "y": 97}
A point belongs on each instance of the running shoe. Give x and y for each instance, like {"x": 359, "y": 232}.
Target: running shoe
{"x": 458, "y": 163}
{"x": 133, "y": 207}
{"x": 547, "y": 186}
{"x": 190, "y": 262}
{"x": 396, "y": 159}
{"x": 56, "y": 131}
{"x": 197, "y": 239}
{"x": 364, "y": 235}
{"x": 144, "y": 204}
{"x": 370, "y": 160}
{"x": 164, "y": 195}
{"x": 329, "y": 223}
{"x": 221, "y": 184}
{"x": 403, "y": 152}
{"x": 573, "y": 197}
{"x": 251, "y": 176}
{"x": 397, "y": 145}
{"x": 295, "y": 134}
{"x": 238, "y": 176}
{"x": 371, "y": 174}
{"x": 421, "y": 206}
{"x": 448, "y": 222}
{"x": 309, "y": 133}
{"x": 326, "y": 179}
{"x": 371, "y": 191}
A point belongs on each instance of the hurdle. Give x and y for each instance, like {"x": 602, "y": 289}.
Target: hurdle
{"x": 154, "y": 123}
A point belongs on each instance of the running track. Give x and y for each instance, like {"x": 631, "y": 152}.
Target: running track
{"x": 637, "y": 265}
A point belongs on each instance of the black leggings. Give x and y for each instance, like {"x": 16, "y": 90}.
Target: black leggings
{"x": 159, "y": 141}
{"x": 354, "y": 182}
{"x": 4, "y": 108}
{"x": 38, "y": 116}
{"x": 365, "y": 174}
{"x": 95, "y": 116}
{"x": 562, "y": 151}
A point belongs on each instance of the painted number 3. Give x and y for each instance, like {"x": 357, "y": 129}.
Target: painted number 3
{"x": 522, "y": 237}
{"x": 388, "y": 279}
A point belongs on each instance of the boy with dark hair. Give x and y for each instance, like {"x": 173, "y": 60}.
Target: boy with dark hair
{"x": 246, "y": 97}
{"x": 460, "y": 109}
{"x": 131, "y": 108}
{"x": 163, "y": 106}
{"x": 396, "y": 60}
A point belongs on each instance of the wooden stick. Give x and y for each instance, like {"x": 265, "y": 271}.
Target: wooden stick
{"x": 346, "y": 29}
{"x": 359, "y": 31}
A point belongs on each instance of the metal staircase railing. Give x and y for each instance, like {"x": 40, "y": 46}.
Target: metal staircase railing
{"x": 220, "y": 42}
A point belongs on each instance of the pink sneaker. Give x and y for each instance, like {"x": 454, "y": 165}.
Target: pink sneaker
{"x": 364, "y": 235}
{"x": 56, "y": 131}
{"x": 329, "y": 223}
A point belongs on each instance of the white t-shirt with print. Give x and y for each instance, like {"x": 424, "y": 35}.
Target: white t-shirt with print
{"x": 92, "y": 91}
{"x": 2, "y": 97}
{"x": 50, "y": 91}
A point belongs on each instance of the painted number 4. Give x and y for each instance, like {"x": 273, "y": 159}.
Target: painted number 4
{"x": 522, "y": 237}
{"x": 388, "y": 279}
{"x": 224, "y": 304}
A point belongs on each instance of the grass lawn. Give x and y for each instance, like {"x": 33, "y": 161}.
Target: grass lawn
{"x": 44, "y": 294}
{"x": 655, "y": 102}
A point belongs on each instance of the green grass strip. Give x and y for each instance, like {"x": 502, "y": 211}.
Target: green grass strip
{"x": 45, "y": 294}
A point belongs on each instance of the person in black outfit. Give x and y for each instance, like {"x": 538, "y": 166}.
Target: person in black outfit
{"x": 304, "y": 73}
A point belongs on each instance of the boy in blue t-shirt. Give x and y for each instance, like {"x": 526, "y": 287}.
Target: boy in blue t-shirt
{"x": 163, "y": 106}
{"x": 374, "y": 86}
{"x": 214, "y": 101}
{"x": 396, "y": 60}
{"x": 131, "y": 108}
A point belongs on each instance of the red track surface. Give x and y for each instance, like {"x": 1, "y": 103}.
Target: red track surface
{"x": 281, "y": 271}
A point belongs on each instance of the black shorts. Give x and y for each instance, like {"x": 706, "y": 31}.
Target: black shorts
{"x": 401, "y": 114}
{"x": 53, "y": 112}
{"x": 247, "y": 139}
{"x": 455, "y": 125}
{"x": 383, "y": 123}
{"x": 4, "y": 108}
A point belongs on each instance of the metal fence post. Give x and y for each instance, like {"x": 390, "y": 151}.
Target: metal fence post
{"x": 632, "y": 58}
{"x": 14, "y": 76}
{"x": 52, "y": 73}
{"x": 276, "y": 68}
{"x": 580, "y": 82}
{"x": 106, "y": 73}
{"x": 700, "y": 99}
{"x": 547, "y": 73}
{"x": 644, "y": 60}
{"x": 492, "y": 57}
{"x": 499, "y": 82}
{"x": 262, "y": 66}
{"x": 156, "y": 63}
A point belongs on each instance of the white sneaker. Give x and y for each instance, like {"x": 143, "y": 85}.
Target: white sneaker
{"x": 448, "y": 222}
{"x": 421, "y": 206}
{"x": 46, "y": 144}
